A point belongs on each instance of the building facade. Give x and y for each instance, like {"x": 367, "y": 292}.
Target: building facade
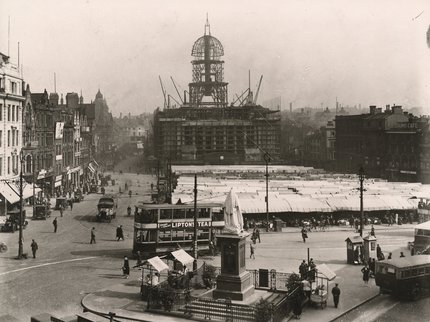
{"x": 11, "y": 103}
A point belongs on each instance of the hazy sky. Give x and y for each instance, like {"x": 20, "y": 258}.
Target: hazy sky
{"x": 368, "y": 52}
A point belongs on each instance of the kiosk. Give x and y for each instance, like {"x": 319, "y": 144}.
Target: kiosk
{"x": 369, "y": 248}
{"x": 354, "y": 247}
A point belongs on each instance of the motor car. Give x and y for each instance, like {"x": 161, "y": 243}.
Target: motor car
{"x": 41, "y": 212}
{"x": 12, "y": 221}
{"x": 61, "y": 202}
{"x": 106, "y": 208}
{"x": 78, "y": 196}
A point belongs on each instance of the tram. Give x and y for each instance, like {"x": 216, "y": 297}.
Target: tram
{"x": 406, "y": 277}
{"x": 162, "y": 228}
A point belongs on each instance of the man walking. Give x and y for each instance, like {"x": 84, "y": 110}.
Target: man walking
{"x": 61, "y": 210}
{"x": 34, "y": 248}
{"x": 336, "y": 294}
{"x": 71, "y": 204}
{"x": 93, "y": 235}
{"x": 257, "y": 234}
{"x": 55, "y": 224}
{"x": 119, "y": 233}
{"x": 304, "y": 234}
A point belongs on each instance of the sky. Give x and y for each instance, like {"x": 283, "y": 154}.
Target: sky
{"x": 309, "y": 52}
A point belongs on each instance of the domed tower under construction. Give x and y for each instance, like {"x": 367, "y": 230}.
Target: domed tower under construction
{"x": 208, "y": 87}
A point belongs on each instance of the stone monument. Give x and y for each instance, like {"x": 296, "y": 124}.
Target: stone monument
{"x": 234, "y": 282}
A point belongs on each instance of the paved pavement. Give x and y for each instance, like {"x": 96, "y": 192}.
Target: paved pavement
{"x": 123, "y": 298}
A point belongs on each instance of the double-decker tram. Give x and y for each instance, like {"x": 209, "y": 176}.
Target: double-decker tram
{"x": 406, "y": 277}
{"x": 162, "y": 228}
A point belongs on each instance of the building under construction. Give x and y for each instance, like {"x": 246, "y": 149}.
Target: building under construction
{"x": 206, "y": 129}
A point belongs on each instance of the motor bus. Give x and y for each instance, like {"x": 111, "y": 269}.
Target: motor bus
{"x": 423, "y": 210}
{"x": 162, "y": 228}
{"x": 405, "y": 277}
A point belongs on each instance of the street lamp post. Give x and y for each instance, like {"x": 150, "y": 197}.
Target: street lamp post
{"x": 267, "y": 160}
{"x": 195, "y": 224}
{"x": 361, "y": 178}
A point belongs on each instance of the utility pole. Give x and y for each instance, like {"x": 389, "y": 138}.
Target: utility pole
{"x": 195, "y": 223}
{"x": 267, "y": 160}
{"x": 20, "y": 247}
{"x": 361, "y": 178}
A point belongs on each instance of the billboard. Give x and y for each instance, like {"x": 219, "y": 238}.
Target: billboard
{"x": 59, "y": 127}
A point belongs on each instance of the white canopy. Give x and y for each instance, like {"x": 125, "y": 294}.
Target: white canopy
{"x": 325, "y": 272}
{"x": 182, "y": 256}
{"x": 158, "y": 264}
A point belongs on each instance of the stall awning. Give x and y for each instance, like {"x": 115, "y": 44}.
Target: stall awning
{"x": 325, "y": 272}
{"x": 182, "y": 256}
{"x": 158, "y": 264}
{"x": 8, "y": 193}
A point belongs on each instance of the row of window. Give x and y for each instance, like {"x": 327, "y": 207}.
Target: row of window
{"x": 13, "y": 112}
{"x": 12, "y": 165}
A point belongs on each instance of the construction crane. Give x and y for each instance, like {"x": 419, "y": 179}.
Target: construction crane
{"x": 258, "y": 90}
{"x": 164, "y": 91}
{"x": 179, "y": 95}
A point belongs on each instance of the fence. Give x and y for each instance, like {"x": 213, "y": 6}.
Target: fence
{"x": 174, "y": 295}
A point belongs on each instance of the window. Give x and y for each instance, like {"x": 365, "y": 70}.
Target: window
{"x": 8, "y": 165}
{"x": 1, "y": 166}
{"x": 8, "y": 112}
{"x": 17, "y": 137}
{"x": 1, "y": 112}
{"x": 13, "y": 113}
{"x": 1, "y": 137}
{"x": 17, "y": 113}
{"x": 8, "y": 137}
{"x": 165, "y": 213}
{"x": 13, "y": 137}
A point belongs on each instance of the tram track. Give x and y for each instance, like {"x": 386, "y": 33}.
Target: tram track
{"x": 369, "y": 310}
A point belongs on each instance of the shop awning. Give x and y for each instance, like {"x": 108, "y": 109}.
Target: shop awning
{"x": 323, "y": 271}
{"x": 91, "y": 168}
{"x": 158, "y": 264}
{"x": 182, "y": 256}
{"x": 8, "y": 193}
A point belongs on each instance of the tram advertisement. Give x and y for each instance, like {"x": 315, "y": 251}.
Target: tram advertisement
{"x": 180, "y": 225}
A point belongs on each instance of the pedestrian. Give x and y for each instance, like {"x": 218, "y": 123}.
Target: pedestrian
{"x": 389, "y": 255}
{"x": 366, "y": 273}
{"x": 128, "y": 211}
{"x": 152, "y": 186}
{"x": 93, "y": 235}
{"x": 312, "y": 267}
{"x": 129, "y": 193}
{"x": 252, "y": 249}
{"x": 139, "y": 259}
{"x": 304, "y": 234}
{"x": 71, "y": 204}
{"x": 297, "y": 309}
{"x": 126, "y": 267}
{"x": 55, "y": 224}
{"x": 61, "y": 210}
{"x": 303, "y": 270}
{"x": 34, "y": 247}
{"x": 257, "y": 234}
{"x": 402, "y": 255}
{"x": 372, "y": 231}
{"x": 119, "y": 233}
{"x": 336, "y": 294}
{"x": 307, "y": 289}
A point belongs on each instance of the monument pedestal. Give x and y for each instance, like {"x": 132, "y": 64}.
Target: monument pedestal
{"x": 234, "y": 282}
